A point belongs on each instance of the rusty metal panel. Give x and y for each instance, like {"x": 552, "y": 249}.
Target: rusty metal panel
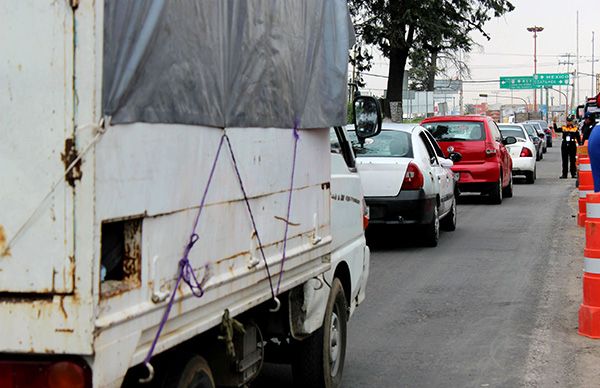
{"x": 44, "y": 324}
{"x": 36, "y": 74}
{"x": 160, "y": 171}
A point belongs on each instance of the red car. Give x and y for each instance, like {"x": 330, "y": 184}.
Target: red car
{"x": 486, "y": 165}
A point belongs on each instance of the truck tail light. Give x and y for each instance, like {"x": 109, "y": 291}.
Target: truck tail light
{"x": 66, "y": 375}
{"x": 44, "y": 374}
{"x": 526, "y": 153}
{"x": 413, "y": 179}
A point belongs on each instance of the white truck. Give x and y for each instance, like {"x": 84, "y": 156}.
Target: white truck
{"x": 170, "y": 210}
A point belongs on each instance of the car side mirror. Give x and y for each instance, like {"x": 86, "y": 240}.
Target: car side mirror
{"x": 455, "y": 157}
{"x": 446, "y": 162}
{"x": 367, "y": 116}
{"x": 509, "y": 140}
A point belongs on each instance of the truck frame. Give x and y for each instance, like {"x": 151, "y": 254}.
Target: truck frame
{"x": 115, "y": 268}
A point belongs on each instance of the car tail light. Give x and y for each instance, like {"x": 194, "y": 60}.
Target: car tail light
{"x": 365, "y": 214}
{"x": 490, "y": 151}
{"x": 526, "y": 153}
{"x": 413, "y": 179}
{"x": 44, "y": 374}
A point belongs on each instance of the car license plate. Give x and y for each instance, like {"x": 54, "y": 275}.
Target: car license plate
{"x": 376, "y": 212}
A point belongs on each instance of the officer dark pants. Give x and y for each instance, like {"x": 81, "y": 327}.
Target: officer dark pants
{"x": 568, "y": 150}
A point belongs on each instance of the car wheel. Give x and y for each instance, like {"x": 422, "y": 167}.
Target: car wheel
{"x": 432, "y": 230}
{"x": 537, "y": 156}
{"x": 319, "y": 359}
{"x": 449, "y": 222}
{"x": 496, "y": 194}
{"x": 508, "y": 190}
{"x": 530, "y": 177}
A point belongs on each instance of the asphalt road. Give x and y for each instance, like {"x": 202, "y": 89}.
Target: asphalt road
{"x": 494, "y": 305}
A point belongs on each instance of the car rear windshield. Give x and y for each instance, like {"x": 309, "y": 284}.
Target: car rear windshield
{"x": 394, "y": 144}
{"x": 530, "y": 130}
{"x": 513, "y": 131}
{"x": 456, "y": 130}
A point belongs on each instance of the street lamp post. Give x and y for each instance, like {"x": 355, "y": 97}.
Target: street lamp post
{"x": 566, "y": 99}
{"x": 486, "y": 95}
{"x": 535, "y": 30}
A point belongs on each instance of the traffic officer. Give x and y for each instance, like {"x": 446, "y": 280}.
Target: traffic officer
{"x": 588, "y": 125}
{"x": 568, "y": 148}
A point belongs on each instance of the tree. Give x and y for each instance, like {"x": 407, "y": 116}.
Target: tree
{"x": 396, "y": 27}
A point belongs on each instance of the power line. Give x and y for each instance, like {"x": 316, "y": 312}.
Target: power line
{"x": 526, "y": 55}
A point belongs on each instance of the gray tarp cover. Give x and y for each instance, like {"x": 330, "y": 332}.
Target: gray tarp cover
{"x": 226, "y": 63}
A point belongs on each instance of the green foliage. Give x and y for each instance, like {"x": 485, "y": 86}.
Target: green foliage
{"x": 423, "y": 29}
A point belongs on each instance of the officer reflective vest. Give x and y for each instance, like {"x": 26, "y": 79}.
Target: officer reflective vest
{"x": 571, "y": 134}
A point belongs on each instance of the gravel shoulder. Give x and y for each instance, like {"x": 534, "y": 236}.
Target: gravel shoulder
{"x": 557, "y": 355}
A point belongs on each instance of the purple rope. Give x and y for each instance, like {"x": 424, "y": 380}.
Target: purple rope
{"x": 247, "y": 201}
{"x": 186, "y": 272}
{"x": 289, "y": 206}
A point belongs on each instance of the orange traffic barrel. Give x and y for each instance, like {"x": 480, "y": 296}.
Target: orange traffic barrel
{"x": 582, "y": 153}
{"x": 589, "y": 311}
{"x": 586, "y": 186}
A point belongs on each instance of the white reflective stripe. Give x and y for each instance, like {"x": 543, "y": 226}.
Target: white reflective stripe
{"x": 585, "y": 167}
{"x": 592, "y": 210}
{"x": 591, "y": 265}
{"x": 584, "y": 193}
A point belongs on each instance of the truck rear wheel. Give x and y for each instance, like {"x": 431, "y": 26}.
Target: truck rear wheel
{"x": 319, "y": 359}
{"x": 191, "y": 372}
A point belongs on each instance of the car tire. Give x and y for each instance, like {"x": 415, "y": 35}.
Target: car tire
{"x": 542, "y": 155}
{"x": 496, "y": 193}
{"x": 530, "y": 177}
{"x": 448, "y": 223}
{"x": 319, "y": 359}
{"x": 431, "y": 234}
{"x": 507, "y": 192}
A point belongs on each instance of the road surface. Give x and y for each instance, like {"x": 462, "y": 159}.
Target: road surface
{"x": 495, "y": 304}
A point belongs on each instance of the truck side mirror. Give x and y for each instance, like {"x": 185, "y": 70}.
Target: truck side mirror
{"x": 367, "y": 116}
{"x": 579, "y": 112}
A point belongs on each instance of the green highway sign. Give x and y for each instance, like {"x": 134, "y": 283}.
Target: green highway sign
{"x": 535, "y": 81}
{"x": 522, "y": 82}
{"x": 551, "y": 79}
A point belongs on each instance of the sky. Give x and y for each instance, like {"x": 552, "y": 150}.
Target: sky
{"x": 509, "y": 52}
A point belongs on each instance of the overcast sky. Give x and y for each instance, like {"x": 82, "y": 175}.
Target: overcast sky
{"x": 509, "y": 52}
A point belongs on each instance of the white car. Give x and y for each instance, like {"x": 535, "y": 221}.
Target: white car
{"x": 540, "y": 133}
{"x": 523, "y": 152}
{"x": 406, "y": 179}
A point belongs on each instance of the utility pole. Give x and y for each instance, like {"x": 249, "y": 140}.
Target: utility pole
{"x": 569, "y": 64}
{"x": 535, "y": 30}
{"x": 593, "y": 76}
{"x": 577, "y": 70}
{"x": 353, "y": 87}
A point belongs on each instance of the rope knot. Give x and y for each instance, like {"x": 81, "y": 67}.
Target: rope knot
{"x": 296, "y": 126}
{"x": 193, "y": 239}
